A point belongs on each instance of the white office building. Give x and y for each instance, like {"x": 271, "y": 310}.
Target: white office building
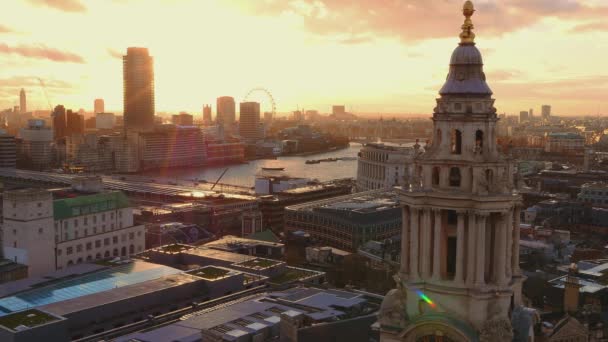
{"x": 49, "y": 230}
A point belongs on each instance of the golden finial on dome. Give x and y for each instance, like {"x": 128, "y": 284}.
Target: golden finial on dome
{"x": 467, "y": 36}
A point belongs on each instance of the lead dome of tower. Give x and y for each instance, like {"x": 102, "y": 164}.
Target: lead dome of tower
{"x": 466, "y": 55}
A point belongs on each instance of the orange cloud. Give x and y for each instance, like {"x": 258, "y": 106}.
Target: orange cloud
{"x": 63, "y": 5}
{"x": 414, "y": 20}
{"x": 4, "y": 29}
{"x": 41, "y": 52}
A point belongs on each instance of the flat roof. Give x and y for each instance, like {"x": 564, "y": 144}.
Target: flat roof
{"x": 104, "y": 280}
{"x": 120, "y": 293}
{"x": 219, "y": 255}
{"x": 361, "y": 202}
{"x": 231, "y": 242}
{"x": 255, "y": 312}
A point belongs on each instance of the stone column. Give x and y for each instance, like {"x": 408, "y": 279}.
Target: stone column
{"x": 480, "y": 249}
{"x": 426, "y": 243}
{"x": 471, "y": 239}
{"x": 405, "y": 240}
{"x": 437, "y": 245}
{"x": 509, "y": 241}
{"x": 500, "y": 244}
{"x": 414, "y": 230}
{"x": 516, "y": 236}
{"x": 458, "y": 277}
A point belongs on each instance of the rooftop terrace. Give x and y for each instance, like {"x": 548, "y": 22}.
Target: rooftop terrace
{"x": 27, "y": 319}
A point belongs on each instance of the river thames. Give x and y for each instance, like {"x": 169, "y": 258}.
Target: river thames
{"x": 295, "y": 166}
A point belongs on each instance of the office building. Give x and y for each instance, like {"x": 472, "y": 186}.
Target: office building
{"x": 90, "y": 152}
{"x": 8, "y": 151}
{"x": 459, "y": 245}
{"x": 346, "y": 222}
{"x": 251, "y": 223}
{"x": 22, "y": 101}
{"x": 268, "y": 117}
{"x": 207, "y": 120}
{"x": 338, "y": 110}
{"x": 523, "y": 116}
{"x": 36, "y": 145}
{"x": 565, "y": 143}
{"x": 218, "y": 151}
{"x": 138, "y": 92}
{"x": 546, "y": 112}
{"x": 382, "y": 166}
{"x": 98, "y": 106}
{"x": 169, "y": 146}
{"x": 249, "y": 121}
{"x": 295, "y": 314}
{"x": 74, "y": 123}
{"x": 225, "y": 111}
{"x": 182, "y": 119}
{"x": 59, "y": 122}
{"x": 273, "y": 206}
{"x": 105, "y": 120}
{"x": 594, "y": 193}
{"x": 49, "y": 230}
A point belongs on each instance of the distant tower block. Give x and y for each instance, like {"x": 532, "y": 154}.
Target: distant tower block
{"x": 207, "y": 115}
{"x": 138, "y": 90}
{"x": 98, "y": 106}
{"x": 251, "y": 223}
{"x": 22, "y": 101}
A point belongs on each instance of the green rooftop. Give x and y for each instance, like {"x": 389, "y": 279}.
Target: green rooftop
{"x": 89, "y": 204}
{"x": 266, "y": 235}
{"x": 259, "y": 263}
{"x": 175, "y": 248}
{"x": 291, "y": 275}
{"x": 210, "y": 273}
{"x": 27, "y": 318}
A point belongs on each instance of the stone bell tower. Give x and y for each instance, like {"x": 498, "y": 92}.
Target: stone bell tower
{"x": 459, "y": 277}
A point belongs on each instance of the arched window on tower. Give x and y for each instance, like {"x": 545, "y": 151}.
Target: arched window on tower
{"x": 455, "y": 177}
{"x": 479, "y": 140}
{"x": 456, "y": 141}
{"x": 436, "y": 176}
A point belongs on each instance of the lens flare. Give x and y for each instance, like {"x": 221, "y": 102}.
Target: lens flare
{"x": 426, "y": 299}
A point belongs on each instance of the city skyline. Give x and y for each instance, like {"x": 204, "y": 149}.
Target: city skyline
{"x": 394, "y": 46}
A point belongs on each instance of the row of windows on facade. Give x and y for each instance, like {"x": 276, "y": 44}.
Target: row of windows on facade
{"x": 595, "y": 200}
{"x": 85, "y": 219}
{"x": 596, "y": 193}
{"x": 89, "y": 245}
{"x": 381, "y": 228}
{"x": 66, "y": 235}
{"x": 98, "y": 256}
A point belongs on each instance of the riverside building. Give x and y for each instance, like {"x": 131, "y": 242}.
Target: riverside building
{"x": 383, "y": 166}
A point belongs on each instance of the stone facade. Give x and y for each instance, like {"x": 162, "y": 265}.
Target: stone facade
{"x": 459, "y": 272}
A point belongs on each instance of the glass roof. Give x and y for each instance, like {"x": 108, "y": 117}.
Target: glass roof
{"x": 104, "y": 280}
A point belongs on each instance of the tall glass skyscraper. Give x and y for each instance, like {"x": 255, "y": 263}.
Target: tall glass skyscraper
{"x": 138, "y": 92}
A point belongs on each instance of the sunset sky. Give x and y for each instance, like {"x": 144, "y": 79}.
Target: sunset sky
{"x": 375, "y": 56}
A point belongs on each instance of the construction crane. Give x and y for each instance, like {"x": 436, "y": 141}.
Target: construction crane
{"x": 46, "y": 95}
{"x": 220, "y": 177}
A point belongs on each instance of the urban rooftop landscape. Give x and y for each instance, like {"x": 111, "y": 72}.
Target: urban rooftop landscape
{"x": 301, "y": 171}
